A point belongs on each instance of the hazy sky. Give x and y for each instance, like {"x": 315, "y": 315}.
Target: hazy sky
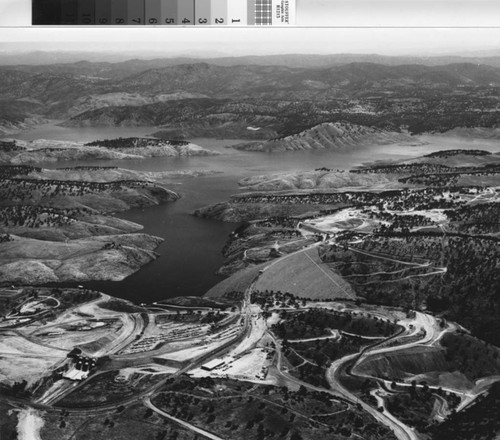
{"x": 257, "y": 41}
{"x": 241, "y": 41}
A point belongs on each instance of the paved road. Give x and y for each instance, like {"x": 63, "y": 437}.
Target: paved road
{"x": 440, "y": 410}
{"x": 402, "y": 431}
{"x": 149, "y": 404}
{"x": 432, "y": 334}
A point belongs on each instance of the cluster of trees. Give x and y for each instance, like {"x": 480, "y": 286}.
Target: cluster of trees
{"x": 418, "y": 109}
{"x": 309, "y": 198}
{"x": 424, "y": 199}
{"x": 17, "y": 389}
{"x": 118, "y": 305}
{"x": 399, "y": 222}
{"x": 479, "y": 421}
{"x": 365, "y": 272}
{"x": 450, "y": 153}
{"x": 413, "y": 408}
{"x": 207, "y": 411}
{"x": 447, "y": 117}
{"x": 411, "y": 168}
{"x": 434, "y": 174}
{"x": 7, "y": 171}
{"x": 71, "y": 297}
{"x": 467, "y": 292}
{"x": 251, "y": 407}
{"x": 475, "y": 219}
{"x": 234, "y": 295}
{"x": 438, "y": 180}
{"x": 469, "y": 288}
{"x": 408, "y": 247}
{"x": 271, "y": 298}
{"x": 399, "y": 200}
{"x": 318, "y": 322}
{"x": 471, "y": 356}
{"x": 62, "y": 422}
{"x": 134, "y": 142}
{"x": 88, "y": 168}
{"x": 328, "y": 170}
{"x": 450, "y": 179}
{"x": 318, "y": 356}
{"x": 25, "y": 188}
{"x": 4, "y": 238}
{"x": 37, "y": 216}
{"x": 10, "y": 146}
{"x": 248, "y": 412}
{"x": 212, "y": 317}
{"x": 284, "y": 233}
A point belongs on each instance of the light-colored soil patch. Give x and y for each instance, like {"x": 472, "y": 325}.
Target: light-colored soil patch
{"x": 258, "y": 330}
{"x": 16, "y": 368}
{"x": 304, "y": 275}
{"x": 449, "y": 380}
{"x": 30, "y": 422}
{"x": 13, "y": 344}
{"x": 60, "y": 337}
{"x": 249, "y": 366}
{"x": 345, "y": 219}
{"x": 21, "y": 360}
{"x": 192, "y": 352}
{"x": 30, "y": 261}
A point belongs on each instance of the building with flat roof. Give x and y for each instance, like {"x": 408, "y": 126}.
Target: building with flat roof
{"x": 213, "y": 364}
{"x": 74, "y": 374}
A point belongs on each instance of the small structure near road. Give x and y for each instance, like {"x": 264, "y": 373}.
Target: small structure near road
{"x": 213, "y": 364}
{"x": 80, "y": 365}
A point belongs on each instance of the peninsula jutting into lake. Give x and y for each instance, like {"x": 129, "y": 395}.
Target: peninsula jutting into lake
{"x": 283, "y": 247}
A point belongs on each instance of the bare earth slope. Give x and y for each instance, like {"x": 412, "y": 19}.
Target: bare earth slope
{"x": 29, "y": 261}
{"x": 55, "y": 224}
{"x": 311, "y": 180}
{"x": 332, "y": 136}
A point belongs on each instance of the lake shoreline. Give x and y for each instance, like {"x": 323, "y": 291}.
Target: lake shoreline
{"x": 190, "y": 254}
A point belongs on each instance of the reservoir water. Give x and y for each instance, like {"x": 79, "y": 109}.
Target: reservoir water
{"x": 191, "y": 252}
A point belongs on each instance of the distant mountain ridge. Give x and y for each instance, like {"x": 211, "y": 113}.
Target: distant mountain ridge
{"x": 206, "y": 78}
{"x": 48, "y": 84}
{"x": 151, "y": 60}
{"x": 176, "y": 96}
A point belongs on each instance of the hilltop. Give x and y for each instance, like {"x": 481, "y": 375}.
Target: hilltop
{"x": 113, "y": 257}
{"x": 328, "y": 136}
{"x": 55, "y": 225}
{"x": 227, "y": 99}
{"x": 321, "y": 178}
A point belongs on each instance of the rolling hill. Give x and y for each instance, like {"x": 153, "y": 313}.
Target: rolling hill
{"x": 328, "y": 136}
{"x": 171, "y": 96}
